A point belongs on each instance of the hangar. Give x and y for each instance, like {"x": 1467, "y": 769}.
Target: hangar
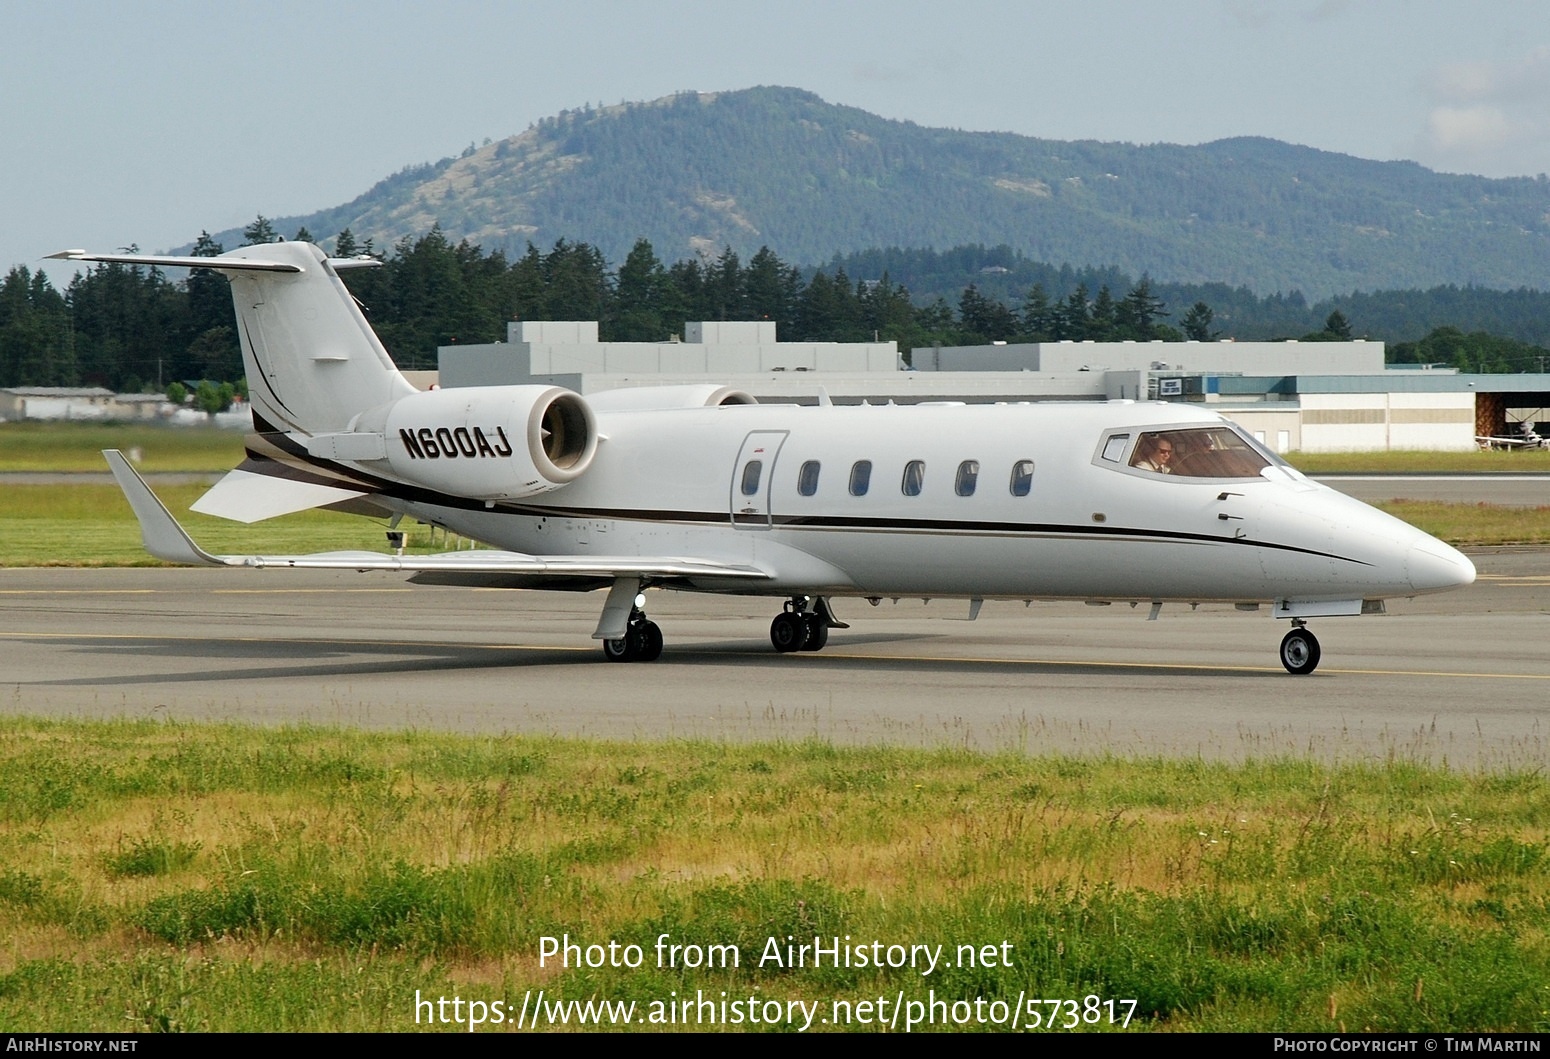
{"x": 1307, "y": 396}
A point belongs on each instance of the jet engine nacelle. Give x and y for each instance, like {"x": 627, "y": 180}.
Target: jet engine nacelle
{"x": 662, "y": 398}
{"x": 490, "y": 442}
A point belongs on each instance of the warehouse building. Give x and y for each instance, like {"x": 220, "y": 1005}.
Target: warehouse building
{"x": 1307, "y": 396}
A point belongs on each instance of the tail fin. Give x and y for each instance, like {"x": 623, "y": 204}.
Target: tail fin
{"x": 313, "y": 362}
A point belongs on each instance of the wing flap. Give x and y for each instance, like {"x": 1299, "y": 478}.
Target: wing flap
{"x": 497, "y": 562}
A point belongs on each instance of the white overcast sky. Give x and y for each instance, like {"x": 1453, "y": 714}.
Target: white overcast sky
{"x": 146, "y": 122}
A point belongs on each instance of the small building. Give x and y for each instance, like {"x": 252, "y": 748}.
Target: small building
{"x": 57, "y": 402}
{"x": 142, "y": 407}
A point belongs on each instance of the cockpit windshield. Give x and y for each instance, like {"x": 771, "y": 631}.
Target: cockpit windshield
{"x": 1198, "y": 452}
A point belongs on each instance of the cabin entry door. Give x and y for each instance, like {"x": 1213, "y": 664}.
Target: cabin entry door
{"x": 751, "y": 479}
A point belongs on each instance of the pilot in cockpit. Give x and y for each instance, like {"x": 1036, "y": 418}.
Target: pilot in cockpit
{"x": 1154, "y": 454}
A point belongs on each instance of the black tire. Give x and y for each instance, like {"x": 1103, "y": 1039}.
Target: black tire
{"x": 618, "y": 650}
{"x": 1300, "y": 652}
{"x": 788, "y": 632}
{"x": 650, "y": 642}
{"x": 817, "y": 633}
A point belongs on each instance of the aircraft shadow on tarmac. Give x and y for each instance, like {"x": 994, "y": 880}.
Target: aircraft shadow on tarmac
{"x": 313, "y": 659}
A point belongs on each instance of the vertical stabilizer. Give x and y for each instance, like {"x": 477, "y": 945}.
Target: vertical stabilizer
{"x": 312, "y": 360}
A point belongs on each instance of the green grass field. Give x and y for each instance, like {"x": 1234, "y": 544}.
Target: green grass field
{"x": 166, "y": 876}
{"x": 90, "y": 525}
{"x": 70, "y": 447}
{"x": 1536, "y": 461}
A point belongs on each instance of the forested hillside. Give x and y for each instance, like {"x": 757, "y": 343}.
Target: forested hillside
{"x": 129, "y": 327}
{"x": 1003, "y": 274}
{"x": 780, "y": 168}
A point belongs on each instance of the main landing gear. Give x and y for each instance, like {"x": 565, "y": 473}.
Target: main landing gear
{"x": 803, "y": 625}
{"x": 642, "y": 641}
{"x": 1300, "y": 649}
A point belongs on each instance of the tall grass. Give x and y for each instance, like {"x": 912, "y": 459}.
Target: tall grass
{"x": 229, "y": 878}
{"x": 1470, "y": 461}
{"x": 1467, "y": 525}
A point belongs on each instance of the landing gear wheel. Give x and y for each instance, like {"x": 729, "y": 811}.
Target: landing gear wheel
{"x": 789, "y": 632}
{"x": 650, "y": 642}
{"x": 817, "y": 632}
{"x": 642, "y": 642}
{"x": 1300, "y": 652}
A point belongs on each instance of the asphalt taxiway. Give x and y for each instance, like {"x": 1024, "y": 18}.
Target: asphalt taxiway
{"x": 1463, "y": 676}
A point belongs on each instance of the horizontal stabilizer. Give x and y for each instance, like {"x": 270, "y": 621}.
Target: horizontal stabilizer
{"x": 165, "y": 539}
{"x": 243, "y": 496}
{"x": 224, "y": 264}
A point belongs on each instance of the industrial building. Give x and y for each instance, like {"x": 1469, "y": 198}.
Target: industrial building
{"x": 1307, "y": 396}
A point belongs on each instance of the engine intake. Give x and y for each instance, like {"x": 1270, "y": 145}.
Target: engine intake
{"x": 491, "y": 442}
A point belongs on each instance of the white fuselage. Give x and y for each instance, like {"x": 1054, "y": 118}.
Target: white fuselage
{"x": 1091, "y": 526}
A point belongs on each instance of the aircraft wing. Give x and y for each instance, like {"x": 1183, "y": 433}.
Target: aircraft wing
{"x": 166, "y": 539}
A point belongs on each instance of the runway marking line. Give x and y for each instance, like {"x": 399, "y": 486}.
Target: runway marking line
{"x": 972, "y": 660}
{"x": 280, "y": 639}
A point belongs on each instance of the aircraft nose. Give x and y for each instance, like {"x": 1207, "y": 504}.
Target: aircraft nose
{"x": 1432, "y": 566}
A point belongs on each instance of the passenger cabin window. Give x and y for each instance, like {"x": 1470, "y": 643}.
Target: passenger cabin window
{"x": 968, "y": 477}
{"x": 807, "y": 478}
{"x": 1198, "y": 452}
{"x": 1022, "y": 477}
{"x": 860, "y": 477}
{"x": 1114, "y": 448}
{"x": 914, "y": 477}
{"x": 751, "y": 472}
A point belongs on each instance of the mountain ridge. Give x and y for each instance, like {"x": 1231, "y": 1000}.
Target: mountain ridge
{"x": 780, "y": 167}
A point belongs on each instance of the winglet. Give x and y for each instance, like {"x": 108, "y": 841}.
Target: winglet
{"x": 160, "y": 532}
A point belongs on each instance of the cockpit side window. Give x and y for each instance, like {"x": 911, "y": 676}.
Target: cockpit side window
{"x": 1114, "y": 447}
{"x": 1198, "y": 452}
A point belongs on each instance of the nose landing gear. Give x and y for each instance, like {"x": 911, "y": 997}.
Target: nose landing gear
{"x": 1300, "y": 649}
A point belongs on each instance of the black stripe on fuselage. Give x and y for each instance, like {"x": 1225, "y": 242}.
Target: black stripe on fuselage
{"x": 325, "y": 472}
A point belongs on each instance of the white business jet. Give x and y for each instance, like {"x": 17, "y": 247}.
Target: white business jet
{"x": 701, "y": 489}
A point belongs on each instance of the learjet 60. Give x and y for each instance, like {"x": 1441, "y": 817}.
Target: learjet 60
{"x": 700, "y": 488}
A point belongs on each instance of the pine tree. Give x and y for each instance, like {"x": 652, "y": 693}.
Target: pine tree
{"x": 1197, "y": 323}
{"x": 1139, "y": 310}
{"x": 1038, "y": 315}
{"x": 640, "y": 298}
{"x": 260, "y": 231}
